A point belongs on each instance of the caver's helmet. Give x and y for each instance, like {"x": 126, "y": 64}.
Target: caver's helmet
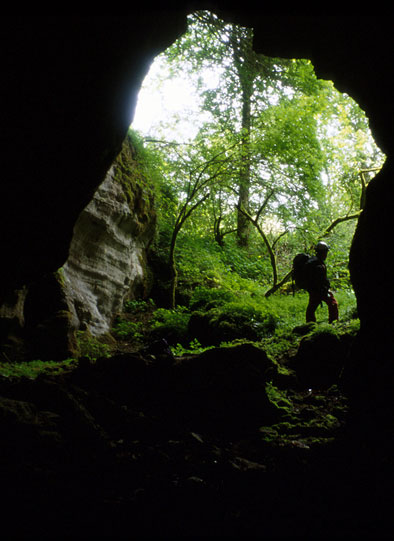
{"x": 321, "y": 247}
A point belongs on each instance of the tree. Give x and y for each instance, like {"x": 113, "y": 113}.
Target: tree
{"x": 194, "y": 169}
{"x": 299, "y": 149}
{"x": 248, "y": 82}
{"x": 276, "y": 284}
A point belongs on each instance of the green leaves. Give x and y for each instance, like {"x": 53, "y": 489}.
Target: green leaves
{"x": 269, "y": 138}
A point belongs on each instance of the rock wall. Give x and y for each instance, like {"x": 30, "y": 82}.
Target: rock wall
{"x": 107, "y": 257}
{"x": 69, "y": 89}
{"x": 107, "y": 263}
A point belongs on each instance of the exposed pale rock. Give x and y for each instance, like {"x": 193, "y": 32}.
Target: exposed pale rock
{"x": 107, "y": 257}
{"x": 107, "y": 264}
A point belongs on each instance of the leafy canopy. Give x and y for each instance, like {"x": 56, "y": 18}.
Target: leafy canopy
{"x": 265, "y": 135}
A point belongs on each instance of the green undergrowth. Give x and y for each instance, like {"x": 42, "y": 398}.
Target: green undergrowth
{"x": 35, "y": 368}
{"x": 217, "y": 316}
{"x": 91, "y": 347}
{"x": 304, "y": 419}
{"x": 276, "y": 324}
{"x": 127, "y": 330}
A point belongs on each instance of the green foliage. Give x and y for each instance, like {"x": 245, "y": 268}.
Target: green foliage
{"x": 278, "y": 398}
{"x": 91, "y": 347}
{"x": 204, "y": 296}
{"x": 293, "y": 161}
{"x": 202, "y": 263}
{"x": 35, "y": 368}
{"x": 138, "y": 305}
{"x": 145, "y": 163}
{"x": 176, "y": 317}
{"x": 194, "y": 348}
{"x": 127, "y": 330}
{"x": 231, "y": 315}
{"x": 235, "y": 306}
{"x": 198, "y": 260}
{"x": 302, "y": 149}
{"x": 245, "y": 316}
{"x": 250, "y": 263}
{"x": 171, "y": 324}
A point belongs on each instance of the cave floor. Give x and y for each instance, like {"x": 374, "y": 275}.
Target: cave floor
{"x": 79, "y": 459}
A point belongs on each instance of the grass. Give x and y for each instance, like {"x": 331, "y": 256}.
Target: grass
{"x": 238, "y": 302}
{"x": 33, "y": 369}
{"x": 275, "y": 318}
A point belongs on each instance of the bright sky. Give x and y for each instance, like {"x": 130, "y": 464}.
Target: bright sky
{"x": 172, "y": 101}
{"x": 160, "y": 102}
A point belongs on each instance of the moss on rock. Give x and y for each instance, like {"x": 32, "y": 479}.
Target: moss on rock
{"x": 137, "y": 187}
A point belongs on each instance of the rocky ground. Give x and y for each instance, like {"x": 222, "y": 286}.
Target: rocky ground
{"x": 217, "y": 444}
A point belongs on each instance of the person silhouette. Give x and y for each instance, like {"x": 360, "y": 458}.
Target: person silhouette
{"x": 319, "y": 285}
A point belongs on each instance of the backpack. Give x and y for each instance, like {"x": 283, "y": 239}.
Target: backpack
{"x": 299, "y": 272}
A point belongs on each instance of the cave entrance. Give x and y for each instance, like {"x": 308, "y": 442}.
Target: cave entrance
{"x": 260, "y": 156}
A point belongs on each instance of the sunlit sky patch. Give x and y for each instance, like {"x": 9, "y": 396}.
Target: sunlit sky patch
{"x": 172, "y": 102}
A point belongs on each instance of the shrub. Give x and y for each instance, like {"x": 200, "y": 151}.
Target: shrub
{"x": 127, "y": 330}
{"x": 137, "y": 305}
{"x": 171, "y": 325}
{"x": 204, "y": 296}
{"x": 194, "y": 347}
{"x": 90, "y": 347}
{"x": 226, "y": 321}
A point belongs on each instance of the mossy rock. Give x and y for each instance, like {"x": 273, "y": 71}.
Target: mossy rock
{"x": 214, "y": 326}
{"x": 136, "y": 186}
{"x": 306, "y": 328}
{"x": 225, "y": 386}
{"x": 320, "y": 359}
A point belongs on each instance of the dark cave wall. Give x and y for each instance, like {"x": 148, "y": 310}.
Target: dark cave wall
{"x": 69, "y": 88}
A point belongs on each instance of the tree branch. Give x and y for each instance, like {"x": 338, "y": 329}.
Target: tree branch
{"x": 265, "y": 203}
{"x": 279, "y": 237}
{"x": 276, "y": 286}
{"x": 340, "y": 220}
{"x": 266, "y": 242}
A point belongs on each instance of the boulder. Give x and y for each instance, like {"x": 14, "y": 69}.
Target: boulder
{"x": 223, "y": 387}
{"x": 320, "y": 359}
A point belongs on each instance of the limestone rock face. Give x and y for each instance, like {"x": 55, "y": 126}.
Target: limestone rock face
{"x": 107, "y": 257}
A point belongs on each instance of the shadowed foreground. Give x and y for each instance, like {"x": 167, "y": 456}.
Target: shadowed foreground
{"x": 205, "y": 445}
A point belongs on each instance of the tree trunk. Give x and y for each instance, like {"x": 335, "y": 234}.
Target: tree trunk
{"x": 244, "y": 174}
{"x": 172, "y": 270}
{"x": 244, "y": 61}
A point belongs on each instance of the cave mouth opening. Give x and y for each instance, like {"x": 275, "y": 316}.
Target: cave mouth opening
{"x": 193, "y": 482}
{"x": 315, "y": 140}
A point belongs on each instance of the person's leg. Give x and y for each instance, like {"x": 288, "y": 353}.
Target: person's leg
{"x": 332, "y": 303}
{"x": 314, "y": 301}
